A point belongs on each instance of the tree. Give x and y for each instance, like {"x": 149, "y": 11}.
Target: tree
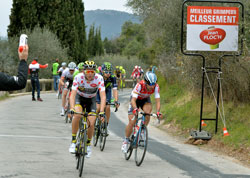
{"x": 63, "y": 17}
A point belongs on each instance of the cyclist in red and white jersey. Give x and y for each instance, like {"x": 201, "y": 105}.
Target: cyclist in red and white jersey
{"x": 140, "y": 98}
{"x": 84, "y": 90}
{"x": 66, "y": 81}
{"x": 136, "y": 74}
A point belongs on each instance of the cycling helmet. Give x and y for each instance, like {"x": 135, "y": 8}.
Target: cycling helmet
{"x": 80, "y": 65}
{"x": 89, "y": 65}
{"x": 121, "y": 67}
{"x": 150, "y": 78}
{"x": 139, "y": 67}
{"x": 136, "y": 67}
{"x": 107, "y": 66}
{"x": 72, "y": 66}
{"x": 64, "y": 64}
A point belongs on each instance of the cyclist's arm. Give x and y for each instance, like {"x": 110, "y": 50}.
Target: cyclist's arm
{"x": 103, "y": 100}
{"x": 72, "y": 99}
{"x": 62, "y": 81}
{"x": 157, "y": 98}
{"x": 115, "y": 92}
{"x": 102, "y": 92}
{"x": 135, "y": 94}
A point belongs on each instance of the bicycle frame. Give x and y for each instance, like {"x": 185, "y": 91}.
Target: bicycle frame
{"x": 135, "y": 140}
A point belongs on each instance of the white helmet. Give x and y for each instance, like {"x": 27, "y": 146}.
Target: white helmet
{"x": 72, "y": 66}
{"x": 64, "y": 64}
{"x": 136, "y": 67}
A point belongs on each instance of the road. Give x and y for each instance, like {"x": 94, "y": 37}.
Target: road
{"x": 34, "y": 143}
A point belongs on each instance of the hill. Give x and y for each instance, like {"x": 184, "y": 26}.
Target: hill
{"x": 110, "y": 21}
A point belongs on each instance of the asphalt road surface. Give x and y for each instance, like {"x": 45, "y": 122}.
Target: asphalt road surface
{"x": 34, "y": 142}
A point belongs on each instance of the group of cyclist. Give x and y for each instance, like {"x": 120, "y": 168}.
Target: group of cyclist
{"x": 92, "y": 88}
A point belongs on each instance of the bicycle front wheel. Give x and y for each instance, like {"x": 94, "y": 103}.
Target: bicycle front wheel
{"x": 130, "y": 148}
{"x": 103, "y": 134}
{"x": 141, "y": 145}
{"x": 83, "y": 150}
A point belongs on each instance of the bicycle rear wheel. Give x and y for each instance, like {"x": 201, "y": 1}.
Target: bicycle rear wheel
{"x": 96, "y": 132}
{"x": 141, "y": 145}
{"x": 130, "y": 148}
{"x": 83, "y": 150}
{"x": 77, "y": 150}
{"x": 103, "y": 134}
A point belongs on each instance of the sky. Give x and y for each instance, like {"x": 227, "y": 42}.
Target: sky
{"x": 88, "y": 4}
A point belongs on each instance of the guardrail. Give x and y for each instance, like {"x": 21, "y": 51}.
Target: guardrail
{"x": 48, "y": 85}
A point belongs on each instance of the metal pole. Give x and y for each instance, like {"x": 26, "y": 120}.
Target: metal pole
{"x": 218, "y": 95}
{"x": 202, "y": 90}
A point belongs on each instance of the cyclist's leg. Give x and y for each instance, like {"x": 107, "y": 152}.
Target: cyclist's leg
{"x": 98, "y": 101}
{"x": 91, "y": 109}
{"x": 147, "y": 108}
{"x": 129, "y": 127}
{"x": 108, "y": 99}
{"x": 65, "y": 91}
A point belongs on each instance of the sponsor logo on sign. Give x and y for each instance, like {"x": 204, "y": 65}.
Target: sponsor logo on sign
{"x": 213, "y": 36}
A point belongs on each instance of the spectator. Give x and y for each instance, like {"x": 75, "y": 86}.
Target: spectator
{"x": 55, "y": 68}
{"x": 33, "y": 70}
{"x": 8, "y": 83}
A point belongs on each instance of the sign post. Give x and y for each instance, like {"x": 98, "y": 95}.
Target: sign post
{"x": 218, "y": 28}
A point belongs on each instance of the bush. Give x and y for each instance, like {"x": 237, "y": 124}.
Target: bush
{"x": 42, "y": 44}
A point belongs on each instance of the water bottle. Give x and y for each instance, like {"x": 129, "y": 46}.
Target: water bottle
{"x": 22, "y": 42}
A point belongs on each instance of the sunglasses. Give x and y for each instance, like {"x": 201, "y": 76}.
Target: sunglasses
{"x": 151, "y": 84}
{"x": 72, "y": 70}
{"x": 89, "y": 71}
{"x": 107, "y": 72}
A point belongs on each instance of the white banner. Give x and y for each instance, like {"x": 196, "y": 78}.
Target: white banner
{"x": 212, "y": 28}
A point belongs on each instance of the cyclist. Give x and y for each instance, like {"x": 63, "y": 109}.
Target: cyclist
{"x": 67, "y": 81}
{"x": 140, "y": 98}
{"x": 141, "y": 72}
{"x": 136, "y": 74}
{"x": 79, "y": 69}
{"x": 118, "y": 75}
{"x": 60, "y": 71}
{"x": 84, "y": 89}
{"x": 123, "y": 73}
{"x": 109, "y": 82}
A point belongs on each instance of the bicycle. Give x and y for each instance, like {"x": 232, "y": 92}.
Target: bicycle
{"x": 139, "y": 139}
{"x": 81, "y": 140}
{"x": 101, "y": 130}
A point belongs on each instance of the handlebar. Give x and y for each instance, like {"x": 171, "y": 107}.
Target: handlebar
{"x": 112, "y": 104}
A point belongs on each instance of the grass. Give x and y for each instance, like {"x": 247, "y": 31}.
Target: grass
{"x": 4, "y": 96}
{"x": 181, "y": 107}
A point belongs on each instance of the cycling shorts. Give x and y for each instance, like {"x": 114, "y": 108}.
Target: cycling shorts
{"x": 88, "y": 103}
{"x": 139, "y": 104}
{"x": 108, "y": 95}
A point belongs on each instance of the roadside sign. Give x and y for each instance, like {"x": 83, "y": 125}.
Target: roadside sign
{"x": 212, "y": 28}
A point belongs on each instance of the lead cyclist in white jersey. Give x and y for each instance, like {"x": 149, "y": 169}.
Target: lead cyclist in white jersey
{"x": 84, "y": 90}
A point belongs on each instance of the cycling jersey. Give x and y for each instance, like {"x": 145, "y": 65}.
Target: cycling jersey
{"x": 67, "y": 75}
{"x": 140, "y": 91}
{"x": 118, "y": 73}
{"x": 60, "y": 71}
{"x": 108, "y": 83}
{"x": 135, "y": 73}
{"x": 88, "y": 89}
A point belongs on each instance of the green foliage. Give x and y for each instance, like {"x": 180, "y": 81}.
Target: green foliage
{"x": 64, "y": 18}
{"x": 42, "y": 44}
{"x": 130, "y": 43}
{"x": 95, "y": 44}
{"x": 181, "y": 107}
